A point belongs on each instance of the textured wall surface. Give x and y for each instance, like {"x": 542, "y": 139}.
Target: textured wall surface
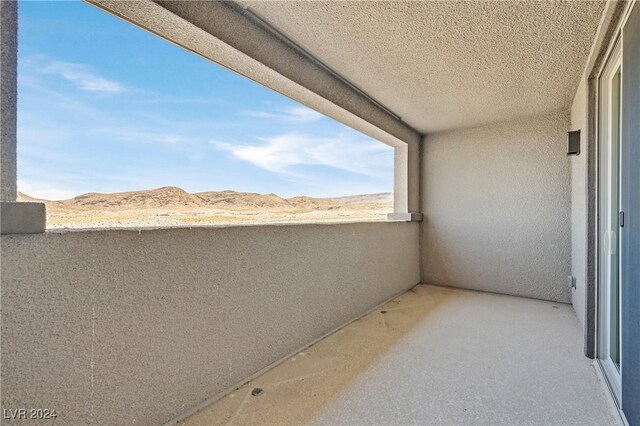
{"x": 8, "y": 94}
{"x": 122, "y": 327}
{"x": 496, "y": 201}
{"x": 579, "y": 202}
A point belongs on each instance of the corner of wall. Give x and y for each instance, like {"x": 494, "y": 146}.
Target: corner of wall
{"x": 496, "y": 204}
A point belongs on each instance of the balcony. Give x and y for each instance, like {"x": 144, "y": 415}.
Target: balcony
{"x": 339, "y": 323}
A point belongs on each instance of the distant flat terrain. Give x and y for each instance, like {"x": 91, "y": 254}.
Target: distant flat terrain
{"x": 171, "y": 206}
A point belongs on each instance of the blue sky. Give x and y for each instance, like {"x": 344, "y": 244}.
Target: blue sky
{"x": 104, "y": 106}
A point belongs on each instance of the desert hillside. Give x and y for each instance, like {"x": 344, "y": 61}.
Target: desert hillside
{"x": 172, "y": 206}
{"x": 381, "y": 198}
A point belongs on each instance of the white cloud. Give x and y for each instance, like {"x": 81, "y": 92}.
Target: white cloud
{"x": 279, "y": 154}
{"x": 81, "y": 76}
{"x": 297, "y": 114}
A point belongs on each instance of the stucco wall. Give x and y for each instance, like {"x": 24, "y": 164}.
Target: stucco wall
{"x": 579, "y": 202}
{"x": 123, "y": 327}
{"x": 496, "y": 201}
{"x": 8, "y": 96}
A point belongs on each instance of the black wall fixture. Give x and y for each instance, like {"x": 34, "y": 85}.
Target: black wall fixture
{"x": 573, "y": 143}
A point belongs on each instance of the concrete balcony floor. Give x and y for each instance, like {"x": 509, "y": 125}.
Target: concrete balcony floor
{"x": 432, "y": 356}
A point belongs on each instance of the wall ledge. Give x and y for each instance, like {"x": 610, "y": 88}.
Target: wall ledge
{"x": 405, "y": 217}
{"x": 22, "y": 218}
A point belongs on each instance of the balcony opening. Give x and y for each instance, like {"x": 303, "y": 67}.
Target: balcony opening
{"x": 120, "y": 128}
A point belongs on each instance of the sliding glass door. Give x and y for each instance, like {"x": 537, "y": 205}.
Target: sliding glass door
{"x": 610, "y": 221}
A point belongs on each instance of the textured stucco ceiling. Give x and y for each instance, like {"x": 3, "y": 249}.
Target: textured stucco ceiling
{"x": 446, "y": 65}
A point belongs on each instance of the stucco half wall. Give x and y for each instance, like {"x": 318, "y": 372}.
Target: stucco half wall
{"x": 497, "y": 208}
{"x": 123, "y": 327}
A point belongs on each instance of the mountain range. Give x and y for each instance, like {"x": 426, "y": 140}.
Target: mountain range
{"x": 174, "y": 198}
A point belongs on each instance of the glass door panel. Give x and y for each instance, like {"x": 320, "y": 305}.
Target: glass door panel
{"x": 613, "y": 258}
